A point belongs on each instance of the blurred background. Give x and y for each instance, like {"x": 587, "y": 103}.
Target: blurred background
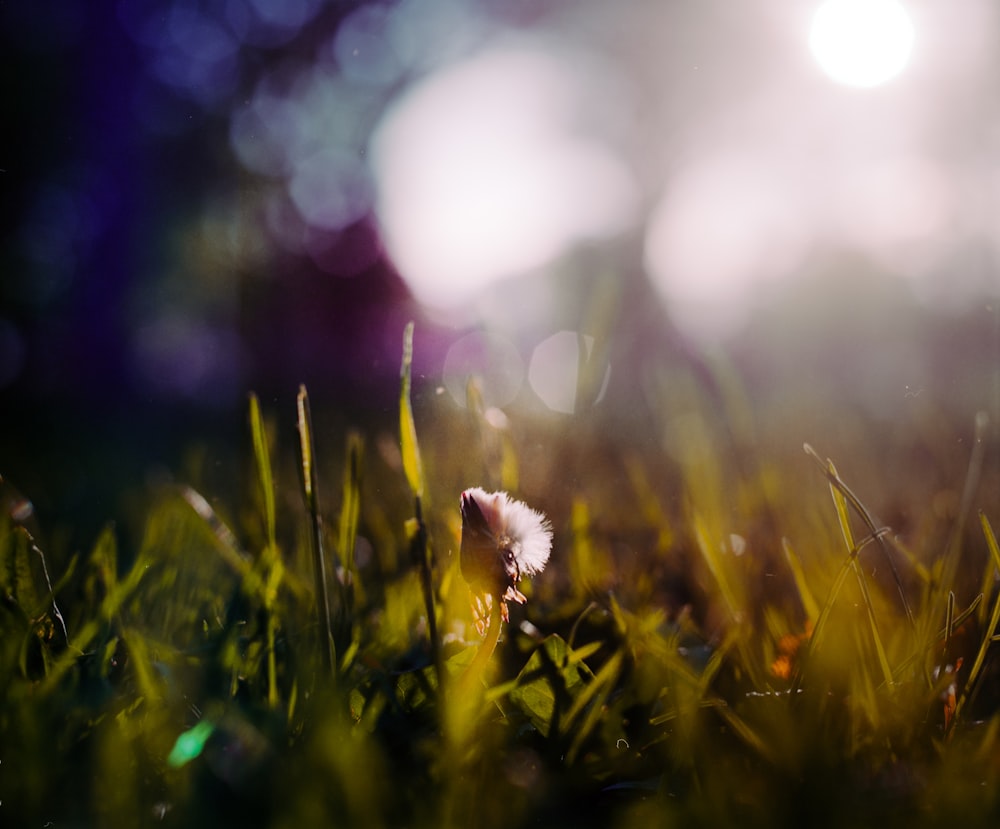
{"x": 200, "y": 199}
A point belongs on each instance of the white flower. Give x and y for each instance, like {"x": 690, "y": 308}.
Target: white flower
{"x": 502, "y": 540}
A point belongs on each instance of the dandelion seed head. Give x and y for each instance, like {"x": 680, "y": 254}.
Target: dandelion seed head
{"x": 502, "y": 540}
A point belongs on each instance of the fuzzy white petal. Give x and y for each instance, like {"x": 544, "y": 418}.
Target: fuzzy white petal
{"x": 529, "y": 531}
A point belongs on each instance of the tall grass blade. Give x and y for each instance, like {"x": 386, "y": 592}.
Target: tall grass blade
{"x": 720, "y": 567}
{"x": 265, "y": 477}
{"x": 717, "y": 567}
{"x": 412, "y": 465}
{"x": 310, "y": 486}
{"x": 270, "y": 560}
{"x": 414, "y": 471}
{"x": 877, "y": 533}
{"x": 840, "y": 502}
{"x": 350, "y": 510}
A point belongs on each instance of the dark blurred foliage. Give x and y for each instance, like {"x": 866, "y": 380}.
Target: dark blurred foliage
{"x": 102, "y": 164}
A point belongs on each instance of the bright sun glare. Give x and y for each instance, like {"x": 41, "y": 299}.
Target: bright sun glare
{"x": 861, "y": 42}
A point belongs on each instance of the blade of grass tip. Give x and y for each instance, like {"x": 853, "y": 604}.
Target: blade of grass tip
{"x": 843, "y": 515}
{"x": 310, "y": 487}
{"x": 412, "y": 466}
{"x": 977, "y": 665}
{"x": 877, "y": 533}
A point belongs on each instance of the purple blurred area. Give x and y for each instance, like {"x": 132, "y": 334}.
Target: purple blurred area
{"x": 136, "y": 313}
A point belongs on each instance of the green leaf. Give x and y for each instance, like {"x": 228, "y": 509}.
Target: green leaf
{"x": 549, "y": 684}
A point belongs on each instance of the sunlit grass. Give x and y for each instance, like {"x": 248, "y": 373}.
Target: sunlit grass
{"x": 735, "y": 641}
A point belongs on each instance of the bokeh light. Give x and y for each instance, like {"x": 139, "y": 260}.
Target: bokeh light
{"x": 900, "y": 209}
{"x": 862, "y": 42}
{"x": 555, "y": 375}
{"x": 178, "y": 357}
{"x": 491, "y": 157}
{"x": 362, "y": 47}
{"x": 490, "y": 361}
{"x": 331, "y": 189}
{"x": 481, "y": 173}
{"x": 721, "y": 227}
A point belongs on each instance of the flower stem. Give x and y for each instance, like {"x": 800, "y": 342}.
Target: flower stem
{"x": 479, "y": 662}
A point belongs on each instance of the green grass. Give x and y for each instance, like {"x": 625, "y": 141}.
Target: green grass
{"x": 724, "y": 636}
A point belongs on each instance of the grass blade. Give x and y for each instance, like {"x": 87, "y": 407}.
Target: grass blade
{"x": 310, "y": 486}
{"x": 265, "y": 477}
{"x": 412, "y": 465}
{"x": 840, "y": 502}
{"x": 809, "y": 603}
{"x": 595, "y": 695}
{"x": 350, "y": 510}
{"x": 270, "y": 560}
{"x": 876, "y": 532}
{"x": 414, "y": 471}
{"x": 977, "y": 666}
